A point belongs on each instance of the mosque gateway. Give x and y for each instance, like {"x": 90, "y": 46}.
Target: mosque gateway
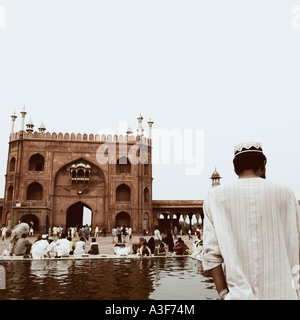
{"x": 54, "y": 178}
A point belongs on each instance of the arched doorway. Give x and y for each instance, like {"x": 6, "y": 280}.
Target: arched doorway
{"x": 123, "y": 219}
{"x": 31, "y": 219}
{"x": 79, "y": 214}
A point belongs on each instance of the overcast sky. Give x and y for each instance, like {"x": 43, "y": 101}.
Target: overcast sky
{"x": 227, "y": 69}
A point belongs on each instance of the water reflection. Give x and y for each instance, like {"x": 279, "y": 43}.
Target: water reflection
{"x": 107, "y": 279}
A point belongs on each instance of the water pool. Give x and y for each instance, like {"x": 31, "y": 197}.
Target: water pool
{"x": 107, "y": 279}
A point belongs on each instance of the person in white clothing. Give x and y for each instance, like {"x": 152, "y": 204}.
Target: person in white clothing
{"x": 4, "y": 231}
{"x": 63, "y": 246}
{"x": 38, "y": 249}
{"x": 51, "y": 250}
{"x": 96, "y": 233}
{"x": 157, "y": 236}
{"x": 55, "y": 232}
{"x": 80, "y": 247}
{"x": 251, "y": 233}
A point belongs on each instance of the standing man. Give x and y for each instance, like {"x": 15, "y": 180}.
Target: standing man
{"x": 251, "y": 233}
{"x": 157, "y": 236}
{"x": 114, "y": 233}
{"x": 4, "y": 232}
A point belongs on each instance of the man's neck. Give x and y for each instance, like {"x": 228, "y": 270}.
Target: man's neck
{"x": 249, "y": 174}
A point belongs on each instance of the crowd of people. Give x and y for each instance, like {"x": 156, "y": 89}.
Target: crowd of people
{"x": 161, "y": 245}
{"x": 46, "y": 246}
{"x": 74, "y": 241}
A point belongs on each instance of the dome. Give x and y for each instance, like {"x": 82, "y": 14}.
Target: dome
{"x": 30, "y": 123}
{"x": 215, "y": 174}
{"x": 42, "y": 127}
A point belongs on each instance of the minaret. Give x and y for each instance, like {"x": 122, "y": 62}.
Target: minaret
{"x": 42, "y": 127}
{"x": 23, "y": 113}
{"x": 215, "y": 177}
{"x": 150, "y": 123}
{"x": 30, "y": 126}
{"x": 140, "y": 129}
{"x": 129, "y": 131}
{"x": 13, "y": 118}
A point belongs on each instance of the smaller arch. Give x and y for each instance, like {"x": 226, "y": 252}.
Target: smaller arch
{"x": 36, "y": 162}
{"x": 146, "y": 195}
{"x": 123, "y": 193}
{"x": 146, "y": 169}
{"x": 35, "y": 191}
{"x": 123, "y": 219}
{"x": 10, "y": 192}
{"x": 12, "y": 164}
{"x": 80, "y": 173}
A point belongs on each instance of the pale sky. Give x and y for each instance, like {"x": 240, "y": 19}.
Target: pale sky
{"x": 229, "y": 68}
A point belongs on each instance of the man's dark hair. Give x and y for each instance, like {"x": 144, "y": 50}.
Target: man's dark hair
{"x": 249, "y": 161}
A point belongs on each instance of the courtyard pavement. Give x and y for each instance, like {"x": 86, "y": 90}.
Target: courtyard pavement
{"x": 106, "y": 245}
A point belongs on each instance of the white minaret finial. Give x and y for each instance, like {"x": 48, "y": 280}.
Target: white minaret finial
{"x": 140, "y": 129}
{"x": 23, "y": 113}
{"x": 30, "y": 126}
{"x": 129, "y": 131}
{"x": 13, "y": 118}
{"x": 150, "y": 123}
{"x": 42, "y": 127}
{"x": 215, "y": 177}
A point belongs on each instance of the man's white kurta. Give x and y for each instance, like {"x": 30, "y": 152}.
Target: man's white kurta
{"x": 252, "y": 227}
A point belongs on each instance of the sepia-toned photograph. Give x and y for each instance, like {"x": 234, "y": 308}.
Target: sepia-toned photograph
{"x": 149, "y": 153}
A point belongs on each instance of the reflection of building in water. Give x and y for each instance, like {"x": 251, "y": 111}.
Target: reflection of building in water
{"x": 52, "y": 178}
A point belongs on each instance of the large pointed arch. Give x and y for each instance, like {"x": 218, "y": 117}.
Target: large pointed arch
{"x": 75, "y": 214}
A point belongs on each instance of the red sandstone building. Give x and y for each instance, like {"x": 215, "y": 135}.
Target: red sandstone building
{"x": 51, "y": 177}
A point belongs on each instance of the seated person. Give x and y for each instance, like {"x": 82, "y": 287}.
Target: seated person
{"x": 72, "y": 246}
{"x": 51, "y": 249}
{"x": 137, "y": 246}
{"x": 38, "y": 249}
{"x": 22, "y": 246}
{"x": 63, "y": 246}
{"x": 161, "y": 250}
{"x": 180, "y": 247}
{"x": 94, "y": 248}
{"x": 80, "y": 247}
{"x": 145, "y": 250}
